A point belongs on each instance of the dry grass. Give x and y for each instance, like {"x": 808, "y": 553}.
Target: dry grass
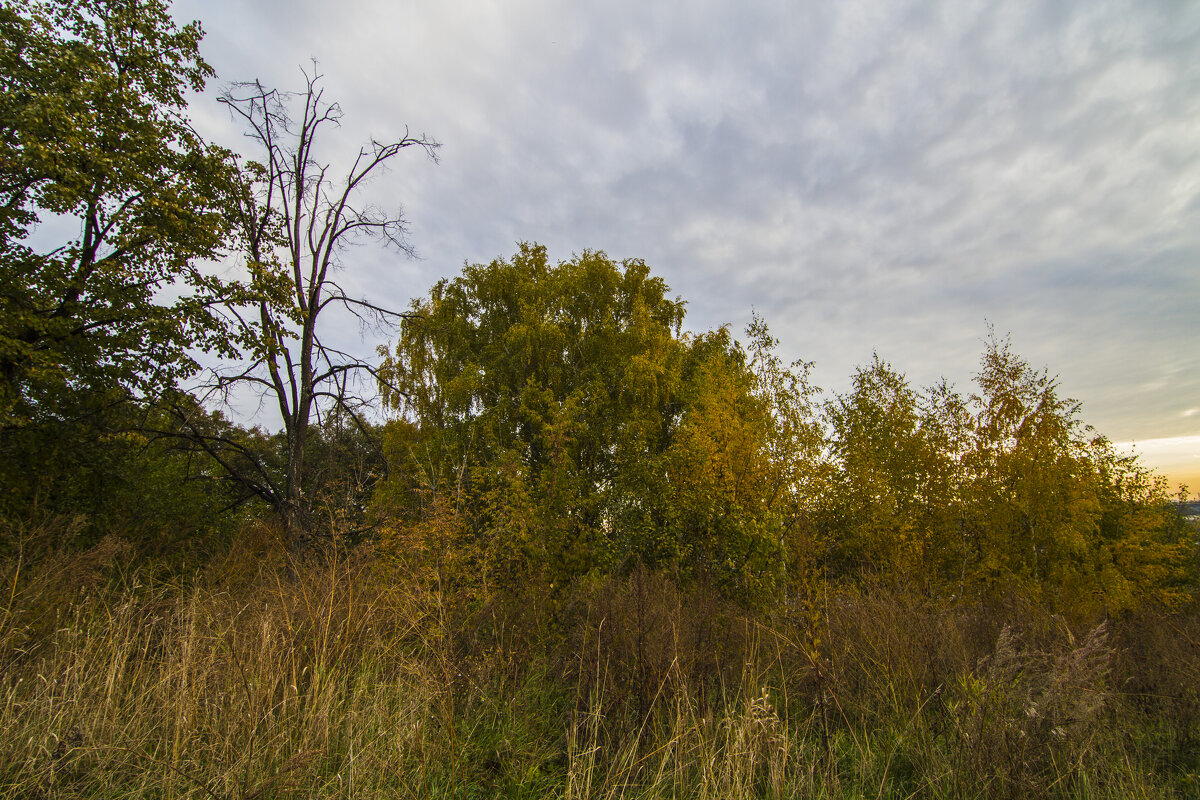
{"x": 338, "y": 679}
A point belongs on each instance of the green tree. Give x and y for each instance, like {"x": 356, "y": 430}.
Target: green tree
{"x": 882, "y": 493}
{"x": 721, "y": 504}
{"x": 797, "y": 452}
{"x": 103, "y": 473}
{"x": 536, "y": 388}
{"x": 948, "y": 427}
{"x": 576, "y": 428}
{"x": 1001, "y": 491}
{"x": 1053, "y": 507}
{"x": 93, "y": 137}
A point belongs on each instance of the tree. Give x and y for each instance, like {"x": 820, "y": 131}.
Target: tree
{"x": 1053, "y": 506}
{"x": 796, "y": 448}
{"x": 1003, "y": 491}
{"x": 881, "y": 489}
{"x": 721, "y": 504}
{"x": 534, "y": 390}
{"x": 577, "y": 429}
{"x": 294, "y": 222}
{"x": 93, "y": 135}
{"x": 108, "y": 474}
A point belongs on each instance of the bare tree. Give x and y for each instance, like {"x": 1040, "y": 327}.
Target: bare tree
{"x": 296, "y": 218}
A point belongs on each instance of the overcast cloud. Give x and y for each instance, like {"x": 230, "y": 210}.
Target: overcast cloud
{"x": 884, "y": 176}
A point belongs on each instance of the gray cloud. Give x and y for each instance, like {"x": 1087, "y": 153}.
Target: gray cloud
{"x": 867, "y": 175}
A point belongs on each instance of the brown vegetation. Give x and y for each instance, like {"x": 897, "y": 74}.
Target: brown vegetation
{"x": 345, "y": 677}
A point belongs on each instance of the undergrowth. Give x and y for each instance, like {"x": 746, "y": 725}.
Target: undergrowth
{"x": 345, "y": 678}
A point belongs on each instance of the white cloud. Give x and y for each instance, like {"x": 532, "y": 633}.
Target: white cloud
{"x": 1180, "y": 447}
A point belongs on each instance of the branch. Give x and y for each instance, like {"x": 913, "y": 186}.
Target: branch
{"x": 356, "y": 301}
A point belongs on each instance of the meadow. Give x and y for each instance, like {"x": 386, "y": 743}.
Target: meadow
{"x": 343, "y": 676}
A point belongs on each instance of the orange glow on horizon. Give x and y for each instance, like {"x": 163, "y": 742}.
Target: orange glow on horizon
{"x": 1177, "y": 458}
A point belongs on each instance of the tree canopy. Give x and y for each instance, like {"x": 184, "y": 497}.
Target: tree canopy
{"x": 1003, "y": 490}
{"x": 582, "y": 429}
{"x": 559, "y": 421}
{"x": 551, "y": 383}
{"x": 94, "y": 137}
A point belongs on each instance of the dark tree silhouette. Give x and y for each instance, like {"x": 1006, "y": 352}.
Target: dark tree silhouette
{"x": 296, "y": 220}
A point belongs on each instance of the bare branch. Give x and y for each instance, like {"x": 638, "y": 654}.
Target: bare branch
{"x": 297, "y": 224}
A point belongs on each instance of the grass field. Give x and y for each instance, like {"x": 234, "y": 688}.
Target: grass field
{"x": 346, "y": 678}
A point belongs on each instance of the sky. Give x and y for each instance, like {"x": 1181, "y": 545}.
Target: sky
{"x": 871, "y": 177}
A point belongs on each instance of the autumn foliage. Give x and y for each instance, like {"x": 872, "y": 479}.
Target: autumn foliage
{"x": 558, "y": 545}
{"x": 561, "y": 423}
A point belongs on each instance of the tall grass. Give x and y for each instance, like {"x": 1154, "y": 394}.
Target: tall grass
{"x": 341, "y": 678}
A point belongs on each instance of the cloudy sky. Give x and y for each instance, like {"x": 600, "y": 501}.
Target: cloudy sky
{"x": 890, "y": 177}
